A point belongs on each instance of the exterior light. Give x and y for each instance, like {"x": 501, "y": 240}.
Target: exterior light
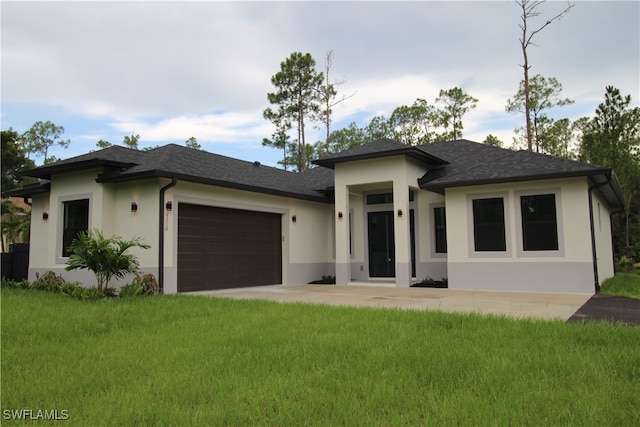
{"x": 45, "y": 216}
{"x": 399, "y": 213}
{"x": 134, "y": 207}
{"x": 168, "y": 206}
{"x": 340, "y": 215}
{"x": 294, "y": 218}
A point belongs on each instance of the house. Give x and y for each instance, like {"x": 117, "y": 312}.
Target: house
{"x": 385, "y": 213}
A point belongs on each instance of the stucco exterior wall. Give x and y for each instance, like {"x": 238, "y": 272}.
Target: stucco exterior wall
{"x": 603, "y": 237}
{"x": 307, "y": 244}
{"x": 570, "y": 269}
{"x": 353, "y": 181}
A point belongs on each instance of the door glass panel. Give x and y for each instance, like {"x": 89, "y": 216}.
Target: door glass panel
{"x": 381, "y": 244}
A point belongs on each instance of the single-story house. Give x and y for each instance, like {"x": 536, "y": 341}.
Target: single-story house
{"x": 384, "y": 213}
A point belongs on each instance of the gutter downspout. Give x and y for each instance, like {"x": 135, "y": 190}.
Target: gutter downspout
{"x": 593, "y": 231}
{"x": 173, "y": 182}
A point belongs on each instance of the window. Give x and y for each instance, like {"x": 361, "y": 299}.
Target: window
{"x": 76, "y": 219}
{"x": 440, "y": 234}
{"x": 382, "y": 198}
{"x": 539, "y": 222}
{"x": 489, "y": 225}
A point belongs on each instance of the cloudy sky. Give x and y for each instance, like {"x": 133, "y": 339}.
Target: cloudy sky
{"x": 171, "y": 70}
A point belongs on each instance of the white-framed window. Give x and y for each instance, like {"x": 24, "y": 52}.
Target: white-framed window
{"x": 539, "y": 223}
{"x": 489, "y": 225}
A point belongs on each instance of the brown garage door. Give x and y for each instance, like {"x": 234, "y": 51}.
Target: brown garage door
{"x": 222, "y": 248}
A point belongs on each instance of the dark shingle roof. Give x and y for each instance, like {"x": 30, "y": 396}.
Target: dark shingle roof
{"x": 450, "y": 164}
{"x": 376, "y": 149}
{"x": 192, "y": 165}
{"x": 471, "y": 163}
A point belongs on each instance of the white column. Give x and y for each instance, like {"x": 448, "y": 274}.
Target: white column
{"x": 402, "y": 231}
{"x": 341, "y": 218}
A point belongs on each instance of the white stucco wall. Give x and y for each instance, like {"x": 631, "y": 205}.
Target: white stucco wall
{"x": 307, "y": 244}
{"x": 570, "y": 269}
{"x": 603, "y": 238}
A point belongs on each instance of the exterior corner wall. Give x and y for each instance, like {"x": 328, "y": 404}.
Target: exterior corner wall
{"x": 569, "y": 269}
{"x": 603, "y": 237}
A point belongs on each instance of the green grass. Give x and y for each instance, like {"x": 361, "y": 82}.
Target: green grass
{"x": 623, "y": 284}
{"x": 187, "y": 360}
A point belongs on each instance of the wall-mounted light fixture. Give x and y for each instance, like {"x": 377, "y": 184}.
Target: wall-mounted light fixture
{"x": 399, "y": 213}
{"x": 134, "y": 207}
{"x": 45, "y": 216}
{"x": 340, "y": 215}
{"x": 168, "y": 206}
{"x": 294, "y": 218}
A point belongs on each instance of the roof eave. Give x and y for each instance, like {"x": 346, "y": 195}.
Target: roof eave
{"x": 409, "y": 151}
{"x": 45, "y": 172}
{"x": 501, "y": 180}
{"x": 29, "y": 190}
{"x": 106, "y": 178}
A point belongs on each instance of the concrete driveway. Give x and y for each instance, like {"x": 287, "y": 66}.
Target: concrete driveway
{"x": 514, "y": 304}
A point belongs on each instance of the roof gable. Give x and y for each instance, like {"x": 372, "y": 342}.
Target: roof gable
{"x": 376, "y": 149}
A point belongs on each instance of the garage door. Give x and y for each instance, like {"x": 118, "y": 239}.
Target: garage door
{"x": 222, "y": 248}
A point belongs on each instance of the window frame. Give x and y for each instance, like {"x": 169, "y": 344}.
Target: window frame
{"x": 506, "y": 202}
{"x": 433, "y": 232}
{"x": 61, "y": 256}
{"x": 521, "y": 252}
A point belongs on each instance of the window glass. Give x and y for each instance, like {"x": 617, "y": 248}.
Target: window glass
{"x": 441, "y": 230}
{"x": 488, "y": 225}
{"x": 381, "y": 198}
{"x": 76, "y": 219}
{"x": 539, "y": 225}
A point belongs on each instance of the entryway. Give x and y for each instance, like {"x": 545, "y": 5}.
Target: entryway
{"x": 381, "y": 238}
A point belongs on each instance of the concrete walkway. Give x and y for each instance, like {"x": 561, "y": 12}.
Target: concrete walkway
{"x": 514, "y": 304}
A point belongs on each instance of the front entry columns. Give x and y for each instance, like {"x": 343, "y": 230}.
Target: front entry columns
{"x": 402, "y": 232}
{"x": 341, "y": 218}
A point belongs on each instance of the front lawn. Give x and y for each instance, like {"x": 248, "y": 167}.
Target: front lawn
{"x": 196, "y": 360}
{"x": 622, "y": 284}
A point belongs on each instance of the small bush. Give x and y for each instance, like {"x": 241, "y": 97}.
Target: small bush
{"x": 48, "y": 282}
{"x": 15, "y": 284}
{"x": 141, "y": 285}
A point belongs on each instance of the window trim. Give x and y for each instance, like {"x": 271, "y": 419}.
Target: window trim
{"x": 432, "y": 228}
{"x": 520, "y": 252}
{"x": 60, "y": 223}
{"x": 506, "y": 201}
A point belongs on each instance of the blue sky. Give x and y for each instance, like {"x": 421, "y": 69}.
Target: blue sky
{"x": 171, "y": 70}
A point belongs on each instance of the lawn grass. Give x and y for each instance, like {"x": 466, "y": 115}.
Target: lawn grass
{"x": 196, "y": 360}
{"x": 622, "y": 284}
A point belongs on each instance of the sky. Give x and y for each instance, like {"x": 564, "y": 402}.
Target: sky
{"x": 168, "y": 71}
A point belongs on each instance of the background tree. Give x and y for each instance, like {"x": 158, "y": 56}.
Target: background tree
{"x": 493, "y": 140}
{"x": 192, "y": 142}
{"x": 42, "y": 136}
{"x": 15, "y": 224}
{"x": 612, "y": 139}
{"x": 14, "y": 160}
{"x": 457, "y": 104}
{"x": 542, "y": 95}
{"x": 131, "y": 141}
{"x": 103, "y": 144}
{"x": 298, "y": 87}
{"x": 413, "y": 125}
{"x": 556, "y": 137}
{"x": 280, "y": 138}
{"x": 530, "y": 11}
{"x": 329, "y": 99}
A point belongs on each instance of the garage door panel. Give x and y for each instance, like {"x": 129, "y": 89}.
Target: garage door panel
{"x": 222, "y": 248}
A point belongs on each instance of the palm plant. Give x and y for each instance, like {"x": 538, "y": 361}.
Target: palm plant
{"x": 105, "y": 257}
{"x": 15, "y": 223}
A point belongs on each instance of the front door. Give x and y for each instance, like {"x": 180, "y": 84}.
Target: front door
{"x": 382, "y": 252}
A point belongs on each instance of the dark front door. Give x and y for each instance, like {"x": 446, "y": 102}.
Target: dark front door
{"x": 382, "y": 252}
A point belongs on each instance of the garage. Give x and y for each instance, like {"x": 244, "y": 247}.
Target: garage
{"x": 220, "y": 248}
